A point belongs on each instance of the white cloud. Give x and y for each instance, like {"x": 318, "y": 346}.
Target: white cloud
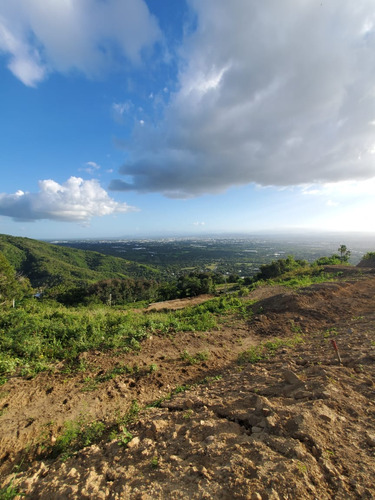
{"x": 76, "y": 200}
{"x": 274, "y": 93}
{"x": 349, "y": 188}
{"x": 42, "y": 36}
{"x": 24, "y": 62}
{"x": 119, "y": 108}
{"x": 91, "y": 167}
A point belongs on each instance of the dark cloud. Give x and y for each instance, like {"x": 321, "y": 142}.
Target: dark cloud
{"x": 273, "y": 93}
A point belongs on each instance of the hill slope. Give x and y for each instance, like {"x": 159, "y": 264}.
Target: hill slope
{"x": 295, "y": 424}
{"x": 47, "y": 265}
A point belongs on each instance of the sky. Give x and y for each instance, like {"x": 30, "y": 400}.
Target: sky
{"x": 151, "y": 118}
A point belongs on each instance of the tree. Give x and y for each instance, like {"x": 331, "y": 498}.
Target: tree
{"x": 344, "y": 253}
{"x": 11, "y": 285}
{"x": 278, "y": 267}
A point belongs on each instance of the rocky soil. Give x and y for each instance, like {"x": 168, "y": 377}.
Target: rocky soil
{"x": 297, "y": 424}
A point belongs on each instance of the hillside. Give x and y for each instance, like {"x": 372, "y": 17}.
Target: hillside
{"x": 48, "y": 265}
{"x": 256, "y": 406}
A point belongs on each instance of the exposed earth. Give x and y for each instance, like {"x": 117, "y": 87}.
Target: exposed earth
{"x": 295, "y": 424}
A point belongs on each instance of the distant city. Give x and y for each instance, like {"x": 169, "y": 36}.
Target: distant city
{"x": 240, "y": 255}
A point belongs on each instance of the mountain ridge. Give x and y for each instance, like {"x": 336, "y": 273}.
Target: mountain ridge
{"x": 46, "y": 264}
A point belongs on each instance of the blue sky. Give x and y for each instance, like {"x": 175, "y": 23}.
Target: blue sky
{"x": 126, "y": 118}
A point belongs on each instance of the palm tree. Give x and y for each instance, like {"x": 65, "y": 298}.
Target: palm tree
{"x": 344, "y": 253}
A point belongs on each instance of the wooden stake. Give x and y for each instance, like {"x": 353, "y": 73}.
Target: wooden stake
{"x": 337, "y": 351}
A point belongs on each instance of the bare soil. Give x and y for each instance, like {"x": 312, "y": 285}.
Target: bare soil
{"x": 296, "y": 425}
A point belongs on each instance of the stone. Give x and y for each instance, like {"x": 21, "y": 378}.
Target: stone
{"x": 134, "y": 443}
{"x": 370, "y": 439}
{"x": 301, "y": 394}
{"x": 159, "y": 425}
{"x": 291, "y": 377}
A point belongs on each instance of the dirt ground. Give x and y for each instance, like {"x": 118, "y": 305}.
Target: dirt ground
{"x": 296, "y": 425}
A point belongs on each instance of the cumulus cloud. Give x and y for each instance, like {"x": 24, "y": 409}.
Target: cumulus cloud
{"x": 75, "y": 200}
{"x": 41, "y": 36}
{"x": 272, "y": 93}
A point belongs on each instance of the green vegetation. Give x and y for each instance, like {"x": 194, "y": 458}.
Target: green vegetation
{"x": 267, "y": 349}
{"x": 11, "y": 285}
{"x": 80, "y": 433}
{"x": 75, "y": 315}
{"x": 199, "y": 357}
{"x": 48, "y": 265}
{"x": 279, "y": 267}
{"x": 36, "y": 334}
{"x": 123, "y": 434}
{"x": 9, "y": 492}
{"x": 369, "y": 256}
{"x": 344, "y": 253}
{"x": 76, "y": 435}
{"x": 335, "y": 259}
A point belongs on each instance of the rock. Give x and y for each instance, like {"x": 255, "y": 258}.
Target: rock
{"x": 134, "y": 443}
{"x": 256, "y": 496}
{"x": 271, "y": 421}
{"x": 256, "y": 430}
{"x": 261, "y": 403}
{"x": 121, "y": 386}
{"x": 205, "y": 473}
{"x": 370, "y": 439}
{"x": 273, "y": 495}
{"x": 73, "y": 472}
{"x": 159, "y": 426}
{"x": 291, "y": 377}
{"x": 193, "y": 403}
{"x": 301, "y": 394}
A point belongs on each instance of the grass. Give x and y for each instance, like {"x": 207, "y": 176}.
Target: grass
{"x": 301, "y": 277}
{"x": 199, "y": 357}
{"x": 9, "y": 492}
{"x": 268, "y": 349}
{"x": 36, "y": 335}
{"x": 79, "y": 433}
{"x": 76, "y": 435}
{"x": 330, "y": 332}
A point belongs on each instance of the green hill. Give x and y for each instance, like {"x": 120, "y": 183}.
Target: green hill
{"x": 48, "y": 265}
